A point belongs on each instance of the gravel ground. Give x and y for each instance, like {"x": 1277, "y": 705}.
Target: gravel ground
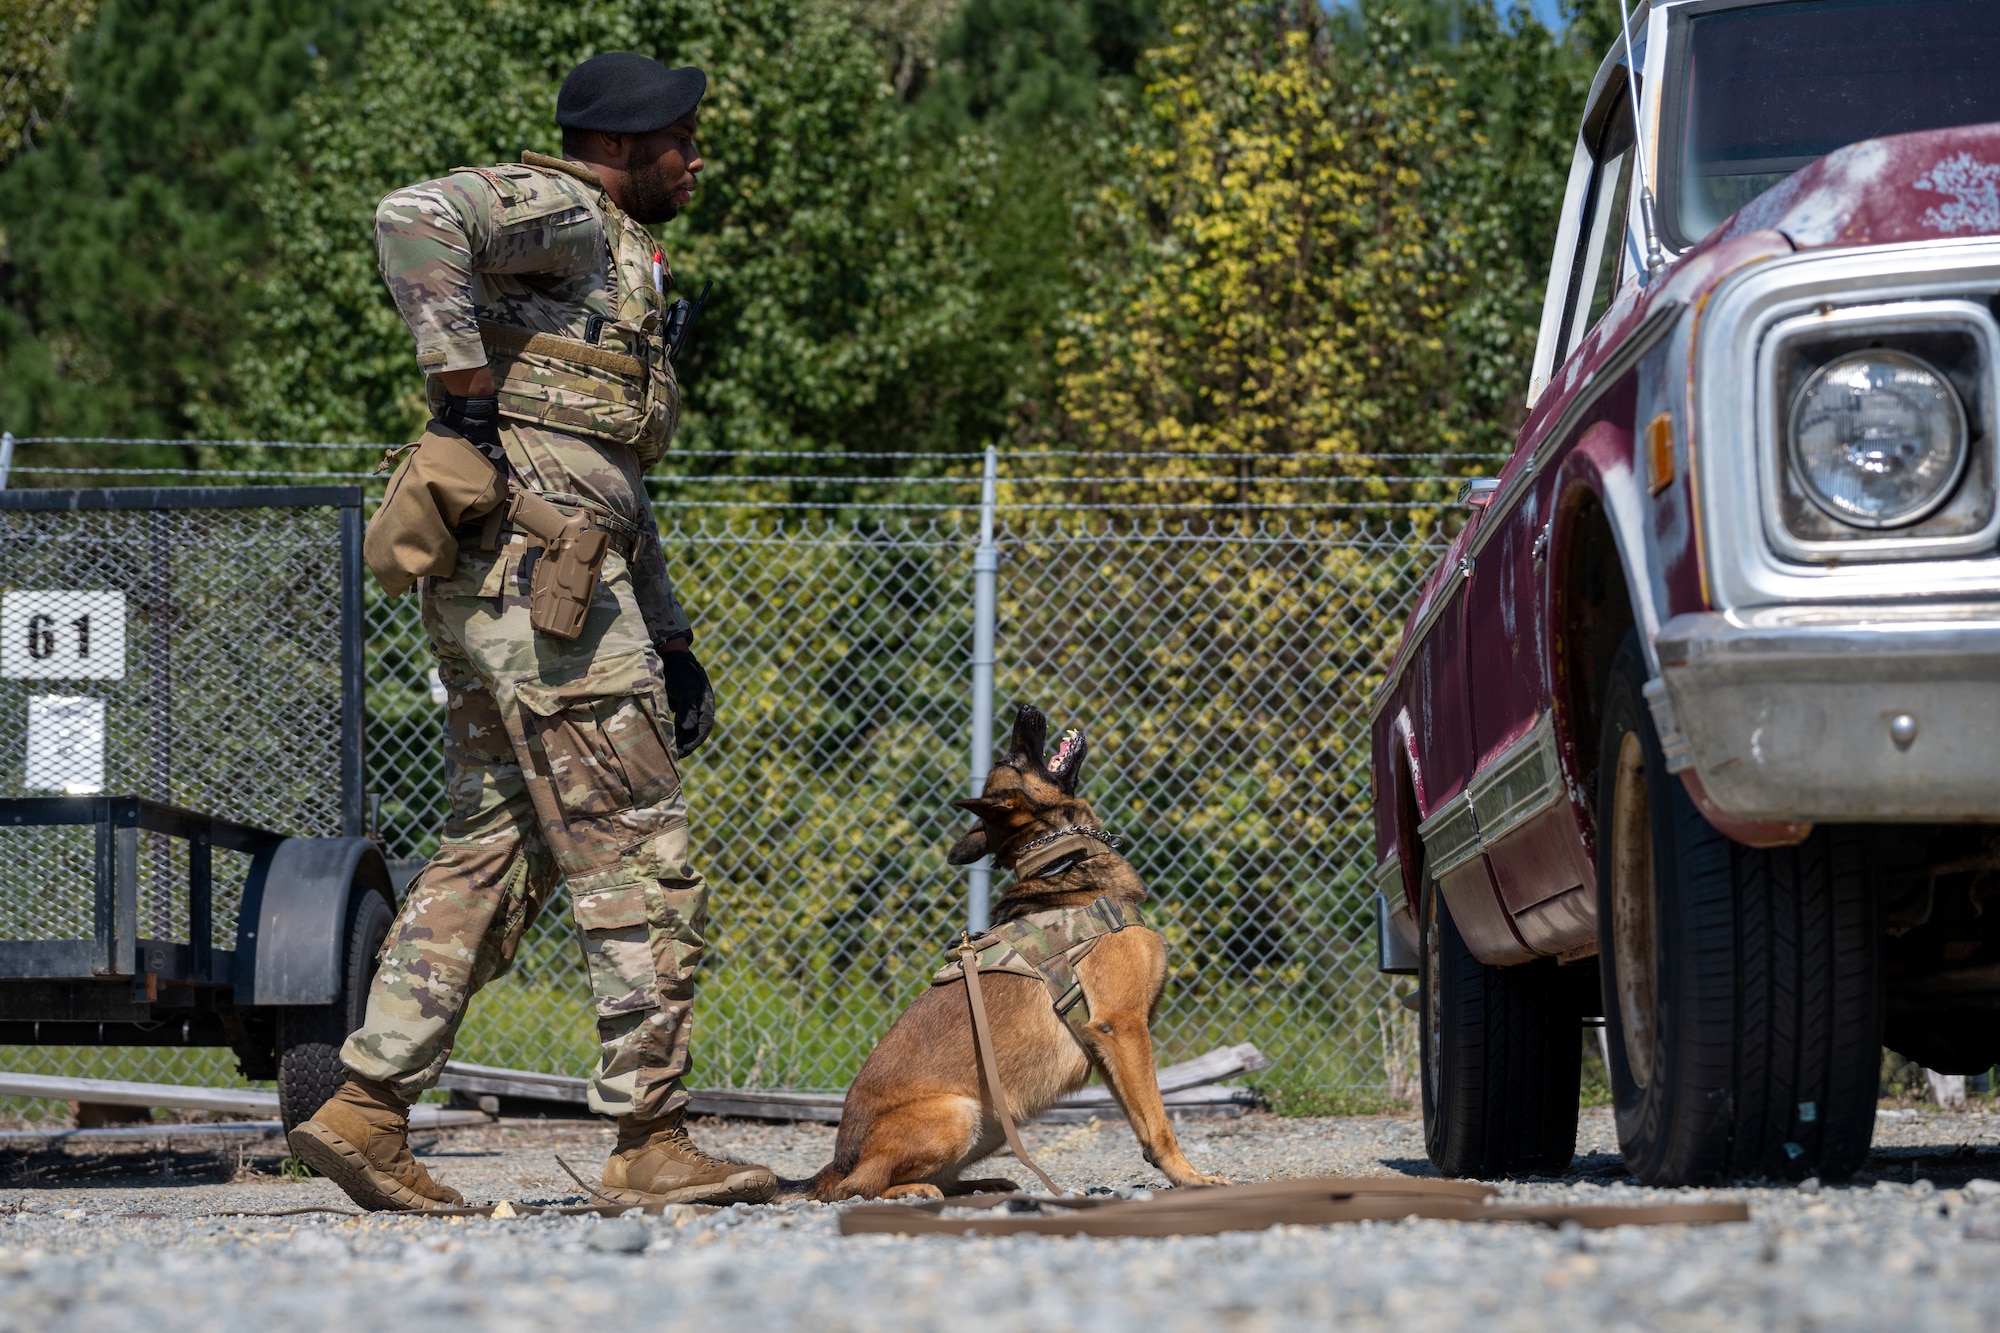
{"x": 121, "y": 1238}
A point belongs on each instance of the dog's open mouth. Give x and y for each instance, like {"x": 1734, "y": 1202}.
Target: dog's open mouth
{"x": 1070, "y": 744}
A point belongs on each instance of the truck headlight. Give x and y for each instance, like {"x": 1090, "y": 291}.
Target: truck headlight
{"x": 1878, "y": 438}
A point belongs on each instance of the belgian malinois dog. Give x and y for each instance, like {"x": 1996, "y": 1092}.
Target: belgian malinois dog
{"x": 915, "y": 1119}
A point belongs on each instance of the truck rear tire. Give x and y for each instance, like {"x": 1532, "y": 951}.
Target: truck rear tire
{"x": 1502, "y": 1062}
{"x": 1742, "y": 986}
{"x": 310, "y": 1036}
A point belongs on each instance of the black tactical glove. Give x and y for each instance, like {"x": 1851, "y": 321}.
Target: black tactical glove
{"x": 478, "y": 420}
{"x": 689, "y": 695}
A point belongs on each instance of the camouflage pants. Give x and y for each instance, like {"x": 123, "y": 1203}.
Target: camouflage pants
{"x": 561, "y": 768}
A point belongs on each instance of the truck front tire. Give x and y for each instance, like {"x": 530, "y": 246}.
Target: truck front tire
{"x": 1501, "y": 1057}
{"x": 1742, "y": 986}
{"x": 310, "y": 1036}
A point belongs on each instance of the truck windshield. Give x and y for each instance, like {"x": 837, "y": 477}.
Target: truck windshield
{"x": 1770, "y": 88}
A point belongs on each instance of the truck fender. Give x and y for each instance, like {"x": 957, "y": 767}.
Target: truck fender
{"x": 1601, "y": 466}
{"x": 1406, "y": 789}
{"x": 293, "y": 927}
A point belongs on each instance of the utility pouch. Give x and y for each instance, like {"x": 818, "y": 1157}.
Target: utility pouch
{"x": 573, "y": 547}
{"x": 441, "y": 481}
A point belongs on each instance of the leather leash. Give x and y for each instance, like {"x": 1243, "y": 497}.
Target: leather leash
{"x": 1206, "y": 1211}
{"x": 982, "y": 1044}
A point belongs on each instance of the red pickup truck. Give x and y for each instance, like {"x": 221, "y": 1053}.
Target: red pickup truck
{"x": 1696, "y": 726}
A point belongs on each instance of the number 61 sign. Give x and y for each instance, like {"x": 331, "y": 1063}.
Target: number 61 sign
{"x": 62, "y": 635}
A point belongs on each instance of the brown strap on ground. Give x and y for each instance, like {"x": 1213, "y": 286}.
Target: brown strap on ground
{"x": 982, "y": 1044}
{"x": 1198, "y": 1212}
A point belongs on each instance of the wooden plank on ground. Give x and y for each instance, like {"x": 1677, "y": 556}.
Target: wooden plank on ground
{"x": 493, "y": 1081}
{"x": 241, "y": 1101}
{"x": 115, "y": 1092}
{"x": 228, "y": 1129}
{"x": 1188, "y": 1103}
{"x": 1223, "y": 1062}
{"x": 446, "y": 1117}
{"x": 809, "y": 1101}
{"x": 421, "y": 1117}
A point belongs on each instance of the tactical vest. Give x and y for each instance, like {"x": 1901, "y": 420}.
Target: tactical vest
{"x": 1047, "y": 946}
{"x": 614, "y": 384}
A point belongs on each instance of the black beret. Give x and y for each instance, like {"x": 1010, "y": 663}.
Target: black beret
{"x": 622, "y": 92}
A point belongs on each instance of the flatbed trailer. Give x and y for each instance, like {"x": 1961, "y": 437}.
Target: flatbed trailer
{"x": 224, "y": 665}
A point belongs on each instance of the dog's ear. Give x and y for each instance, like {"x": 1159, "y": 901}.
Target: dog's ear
{"x": 1031, "y": 734}
{"x": 984, "y": 807}
{"x": 1066, "y": 764}
{"x": 968, "y": 848}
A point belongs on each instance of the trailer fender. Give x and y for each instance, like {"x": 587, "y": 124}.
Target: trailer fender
{"x": 298, "y": 901}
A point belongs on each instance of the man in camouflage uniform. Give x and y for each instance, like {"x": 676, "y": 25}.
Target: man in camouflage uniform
{"x": 535, "y": 297}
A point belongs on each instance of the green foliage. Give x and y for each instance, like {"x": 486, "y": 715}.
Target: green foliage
{"x": 1270, "y": 280}
{"x": 1294, "y": 1096}
{"x": 848, "y": 303}
{"x": 34, "y": 41}
{"x": 1326, "y": 240}
{"x": 1594, "y": 1085}
{"x": 1025, "y": 64}
{"x": 931, "y": 225}
{"x": 1593, "y": 25}
{"x": 1520, "y": 92}
{"x": 133, "y": 231}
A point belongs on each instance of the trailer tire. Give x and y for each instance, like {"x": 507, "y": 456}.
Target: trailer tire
{"x": 1501, "y": 1059}
{"x": 1743, "y": 992}
{"x": 310, "y": 1036}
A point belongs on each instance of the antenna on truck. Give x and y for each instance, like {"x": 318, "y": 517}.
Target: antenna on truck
{"x": 1655, "y": 259}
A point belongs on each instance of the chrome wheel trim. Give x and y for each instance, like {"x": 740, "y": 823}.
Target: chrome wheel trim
{"x": 1633, "y": 933}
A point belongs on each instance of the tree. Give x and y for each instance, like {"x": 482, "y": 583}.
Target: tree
{"x": 845, "y": 297}
{"x": 34, "y": 42}
{"x": 1327, "y": 245}
{"x": 132, "y": 229}
{"x": 932, "y": 223}
{"x": 1028, "y": 64}
{"x": 1272, "y": 280}
{"x": 886, "y": 263}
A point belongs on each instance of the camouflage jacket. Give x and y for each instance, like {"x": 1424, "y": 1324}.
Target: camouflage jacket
{"x": 1047, "y": 946}
{"x": 526, "y": 267}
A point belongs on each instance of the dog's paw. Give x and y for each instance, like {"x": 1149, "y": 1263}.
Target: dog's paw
{"x": 915, "y": 1190}
{"x": 1188, "y": 1182}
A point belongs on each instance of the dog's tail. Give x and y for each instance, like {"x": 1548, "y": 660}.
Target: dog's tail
{"x": 825, "y": 1186}
{"x": 833, "y": 1181}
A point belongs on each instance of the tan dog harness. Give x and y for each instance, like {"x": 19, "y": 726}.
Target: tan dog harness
{"x": 1046, "y": 946}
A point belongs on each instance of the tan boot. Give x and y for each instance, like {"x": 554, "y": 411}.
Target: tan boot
{"x": 656, "y": 1162}
{"x": 360, "y": 1140}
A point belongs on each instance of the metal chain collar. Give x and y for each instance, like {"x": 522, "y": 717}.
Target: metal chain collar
{"x": 1108, "y": 839}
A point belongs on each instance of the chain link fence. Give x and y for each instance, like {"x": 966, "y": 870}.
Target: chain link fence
{"x": 1223, "y": 679}
{"x": 1223, "y": 676}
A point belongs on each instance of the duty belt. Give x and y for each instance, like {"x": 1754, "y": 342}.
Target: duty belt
{"x": 488, "y": 534}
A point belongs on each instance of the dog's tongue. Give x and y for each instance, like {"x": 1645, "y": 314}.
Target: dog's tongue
{"x": 1064, "y": 748}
